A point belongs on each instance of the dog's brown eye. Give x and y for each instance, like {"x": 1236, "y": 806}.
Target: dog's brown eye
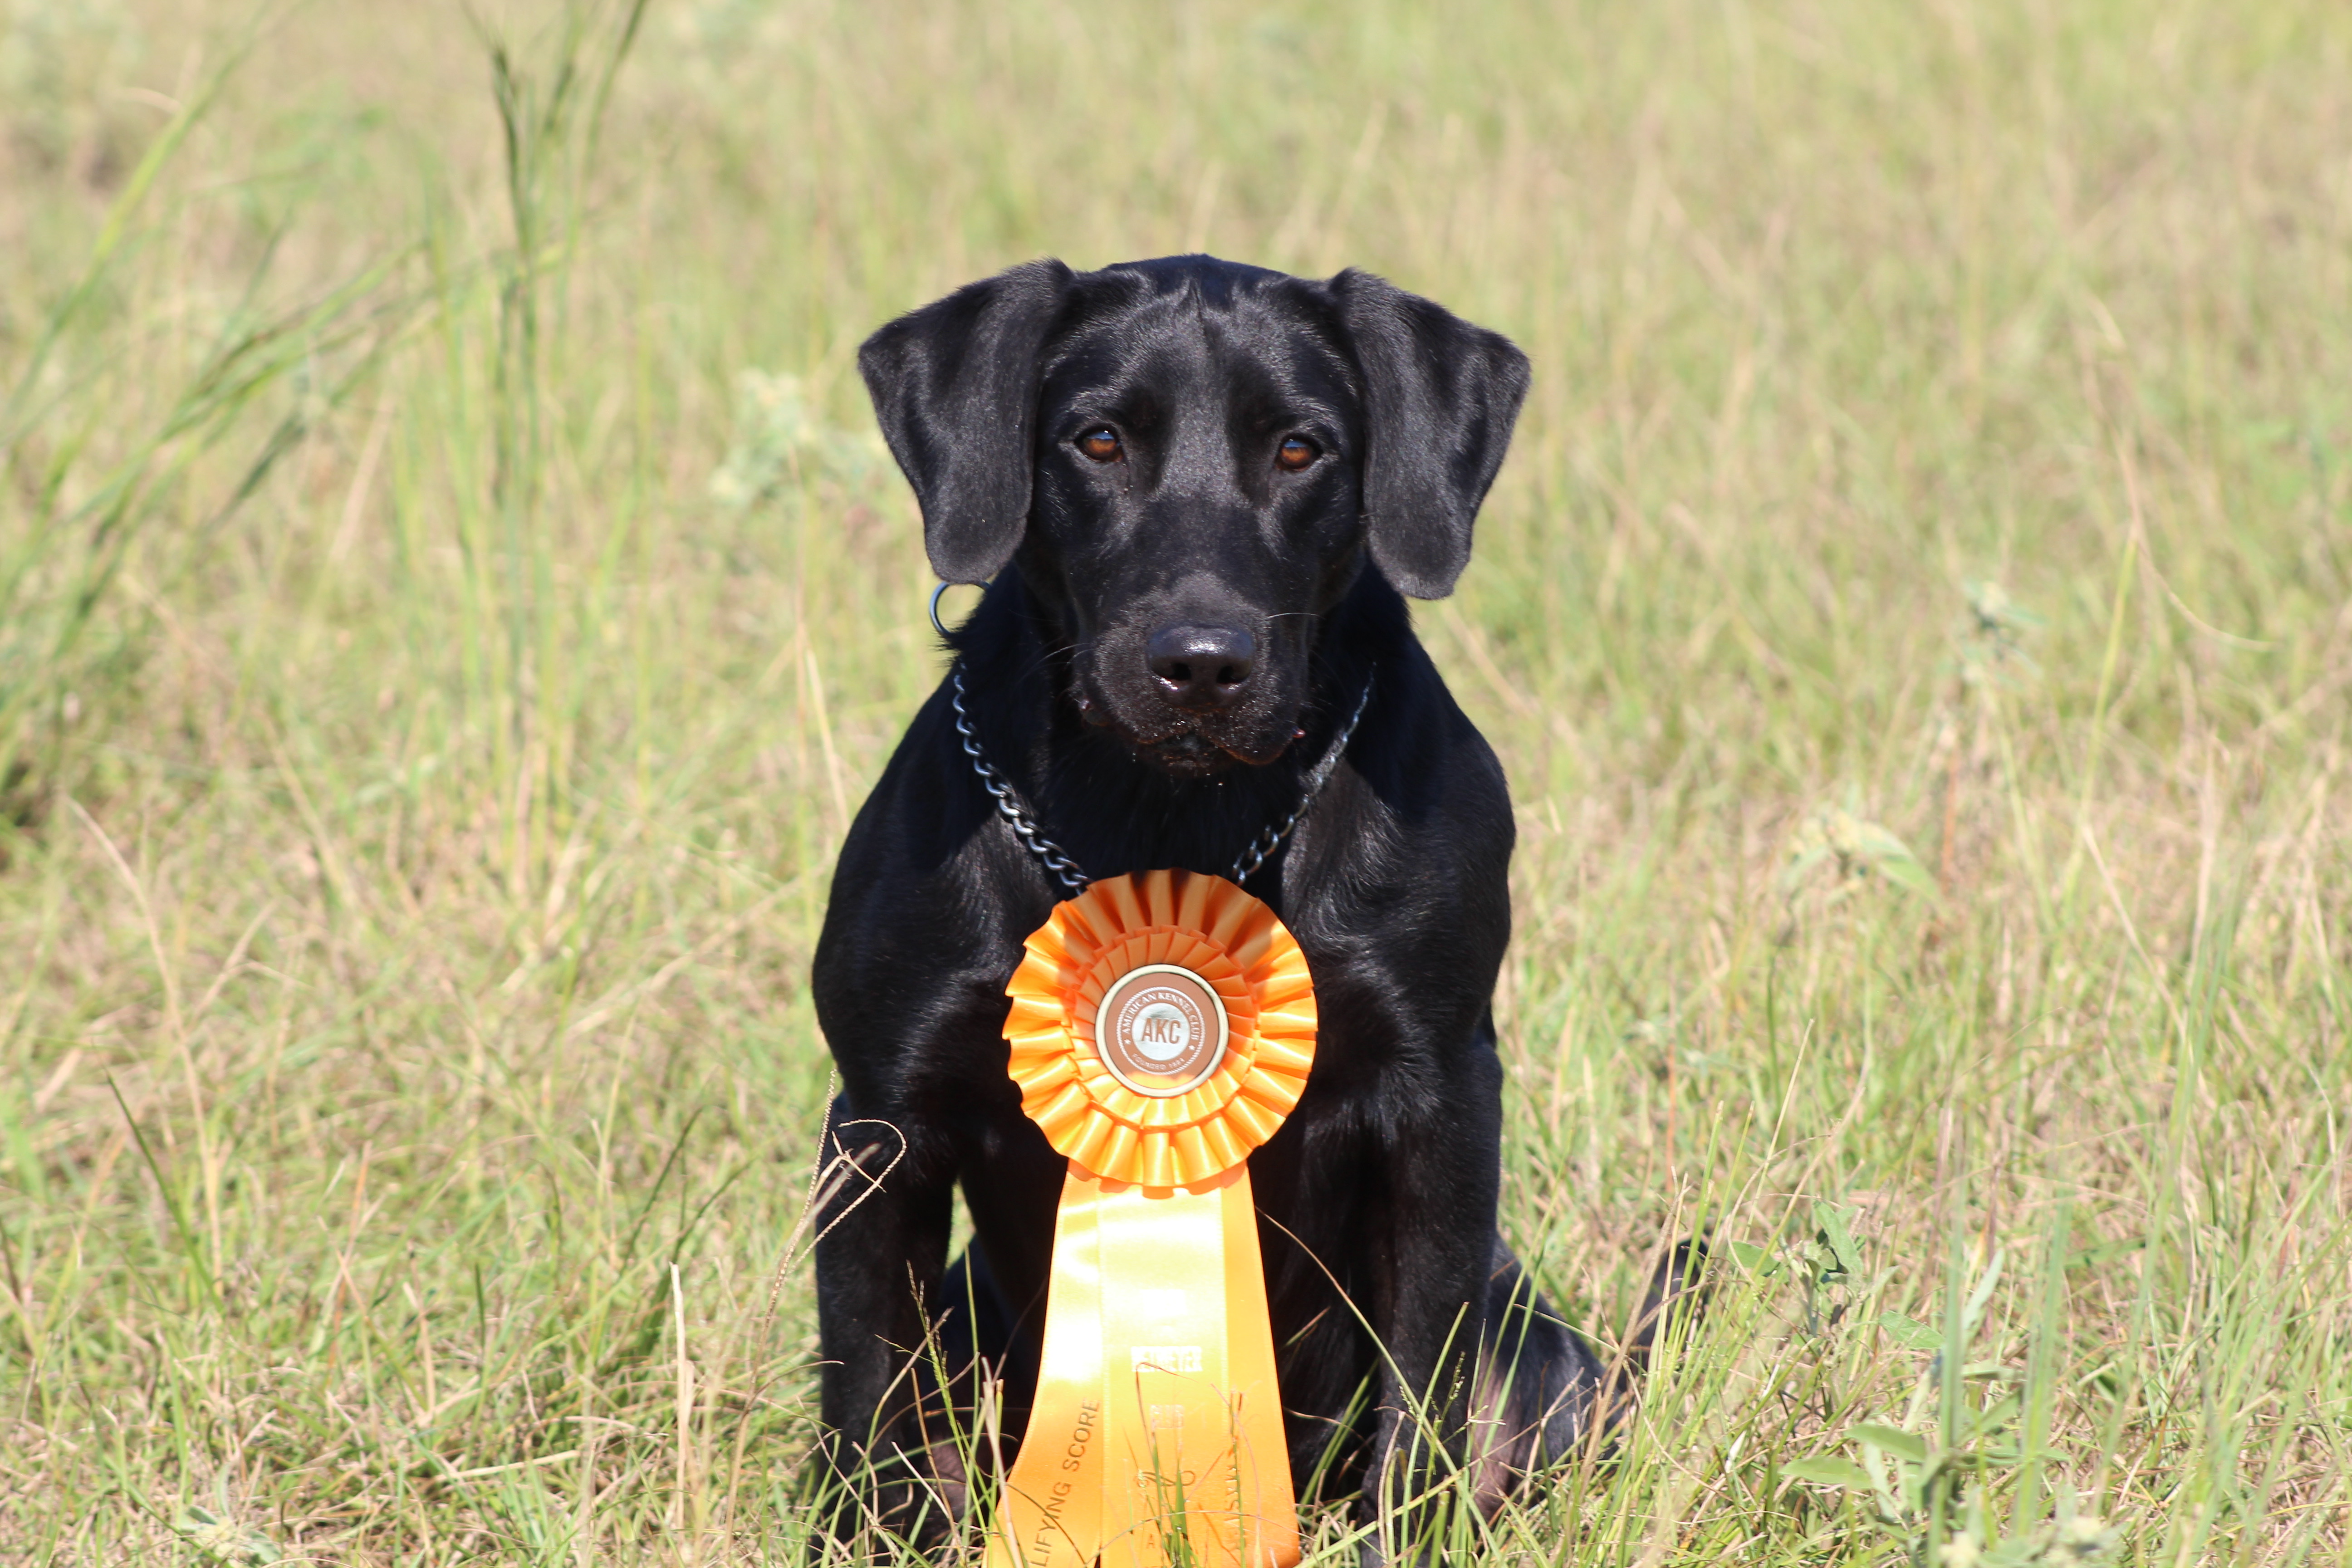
{"x": 1101, "y": 444}
{"x": 1295, "y": 453}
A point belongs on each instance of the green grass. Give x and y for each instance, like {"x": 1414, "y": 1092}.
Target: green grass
{"x": 436, "y": 668}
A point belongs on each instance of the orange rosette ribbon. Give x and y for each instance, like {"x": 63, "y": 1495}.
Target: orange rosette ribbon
{"x": 1162, "y": 1026}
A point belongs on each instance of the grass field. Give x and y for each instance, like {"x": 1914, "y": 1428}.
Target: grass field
{"x": 451, "y": 601}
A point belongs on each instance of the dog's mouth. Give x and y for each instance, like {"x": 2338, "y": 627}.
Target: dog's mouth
{"x": 1189, "y": 755}
{"x": 1188, "y": 746}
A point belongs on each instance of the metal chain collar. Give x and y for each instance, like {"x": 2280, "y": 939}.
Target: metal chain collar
{"x": 1056, "y": 860}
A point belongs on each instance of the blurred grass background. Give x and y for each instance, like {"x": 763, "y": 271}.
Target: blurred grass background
{"x": 451, "y": 600}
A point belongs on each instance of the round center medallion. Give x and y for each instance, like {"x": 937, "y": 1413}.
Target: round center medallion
{"x": 1161, "y": 1030}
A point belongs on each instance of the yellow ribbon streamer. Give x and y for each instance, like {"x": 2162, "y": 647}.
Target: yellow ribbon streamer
{"x": 1156, "y": 1436}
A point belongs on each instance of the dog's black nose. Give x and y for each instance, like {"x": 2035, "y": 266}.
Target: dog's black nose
{"x": 1201, "y": 669}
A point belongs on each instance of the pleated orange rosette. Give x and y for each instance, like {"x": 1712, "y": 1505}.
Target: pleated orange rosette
{"x": 1205, "y": 925}
{"x": 1162, "y": 1026}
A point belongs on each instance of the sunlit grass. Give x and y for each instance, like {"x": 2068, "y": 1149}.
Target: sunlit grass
{"x": 450, "y": 602}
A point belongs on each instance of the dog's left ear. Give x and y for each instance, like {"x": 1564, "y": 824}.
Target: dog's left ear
{"x": 955, "y": 387}
{"x": 1442, "y": 395}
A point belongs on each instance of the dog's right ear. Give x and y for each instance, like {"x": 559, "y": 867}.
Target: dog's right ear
{"x": 955, "y": 387}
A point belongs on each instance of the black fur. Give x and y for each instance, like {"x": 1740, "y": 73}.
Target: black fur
{"x": 1377, "y": 1199}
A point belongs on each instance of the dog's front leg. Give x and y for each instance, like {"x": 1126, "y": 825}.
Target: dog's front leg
{"x": 886, "y": 1199}
{"x": 1441, "y": 1178}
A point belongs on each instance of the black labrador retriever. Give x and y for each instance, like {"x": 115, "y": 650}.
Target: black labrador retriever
{"x": 1213, "y": 486}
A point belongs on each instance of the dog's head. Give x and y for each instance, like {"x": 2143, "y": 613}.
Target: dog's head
{"x": 1189, "y": 459}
